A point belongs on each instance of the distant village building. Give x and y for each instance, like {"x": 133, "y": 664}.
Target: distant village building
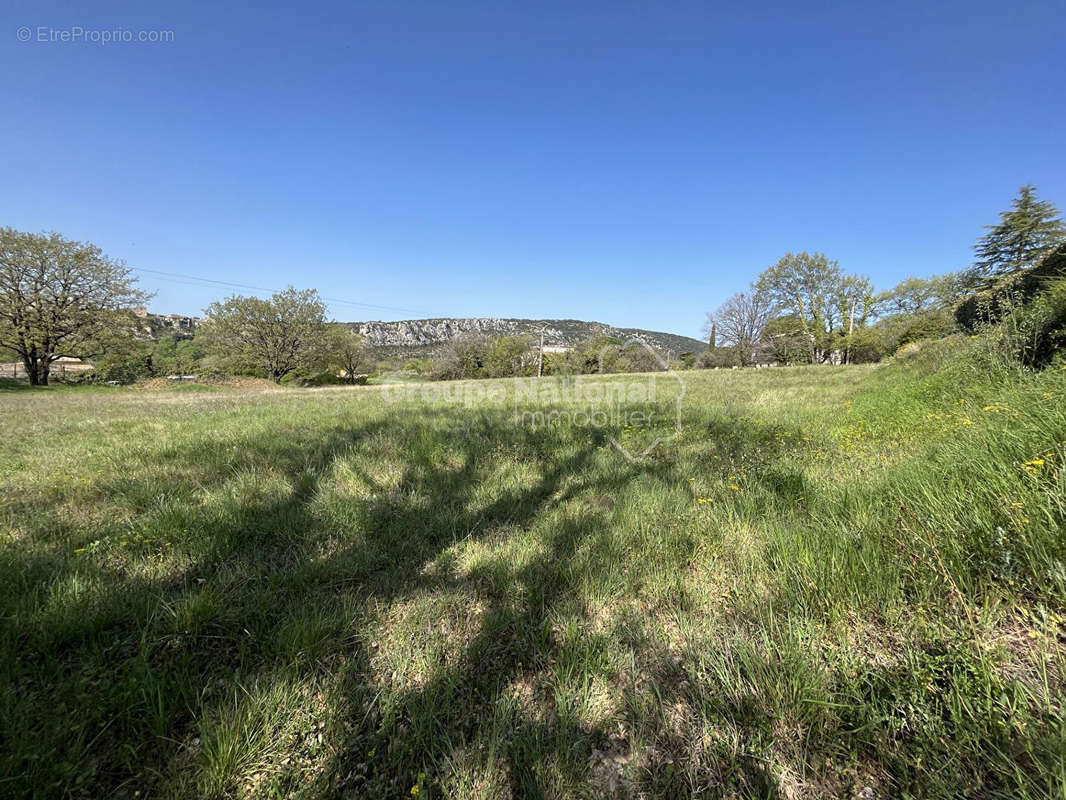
{"x": 177, "y": 322}
{"x": 180, "y": 323}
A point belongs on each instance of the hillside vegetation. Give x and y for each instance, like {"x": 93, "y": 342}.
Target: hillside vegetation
{"x": 842, "y": 581}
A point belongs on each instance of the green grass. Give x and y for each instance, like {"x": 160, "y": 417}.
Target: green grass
{"x": 324, "y": 593}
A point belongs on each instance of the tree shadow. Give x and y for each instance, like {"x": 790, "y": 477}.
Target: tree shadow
{"x": 144, "y": 655}
{"x": 15, "y": 385}
{"x": 289, "y": 557}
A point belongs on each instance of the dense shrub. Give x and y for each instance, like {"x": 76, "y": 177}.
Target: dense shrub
{"x": 1031, "y": 333}
{"x": 129, "y": 366}
{"x": 717, "y": 358}
{"x": 998, "y": 297}
{"x": 176, "y": 355}
{"x": 928, "y": 325}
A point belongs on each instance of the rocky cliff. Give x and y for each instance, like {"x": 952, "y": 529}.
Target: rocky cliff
{"x": 415, "y": 337}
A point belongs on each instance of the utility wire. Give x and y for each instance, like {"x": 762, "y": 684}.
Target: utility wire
{"x": 195, "y": 280}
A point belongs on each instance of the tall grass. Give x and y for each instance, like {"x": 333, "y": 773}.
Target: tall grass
{"x": 832, "y": 579}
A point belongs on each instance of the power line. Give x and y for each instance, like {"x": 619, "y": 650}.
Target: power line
{"x": 195, "y": 280}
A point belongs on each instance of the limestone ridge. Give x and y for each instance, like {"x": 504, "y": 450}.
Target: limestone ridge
{"x": 417, "y": 337}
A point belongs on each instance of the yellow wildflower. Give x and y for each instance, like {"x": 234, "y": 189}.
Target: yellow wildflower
{"x": 1033, "y": 466}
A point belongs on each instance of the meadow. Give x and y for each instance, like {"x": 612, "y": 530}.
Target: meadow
{"x": 833, "y": 581}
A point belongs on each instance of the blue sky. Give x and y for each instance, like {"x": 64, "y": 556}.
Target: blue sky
{"x": 629, "y": 162}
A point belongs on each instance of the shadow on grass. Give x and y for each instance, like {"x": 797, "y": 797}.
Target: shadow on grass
{"x": 134, "y": 679}
{"x": 15, "y": 385}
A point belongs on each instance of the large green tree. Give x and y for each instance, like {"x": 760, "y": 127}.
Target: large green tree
{"x": 921, "y": 295}
{"x": 1023, "y": 233}
{"x": 343, "y": 350}
{"x": 277, "y": 335}
{"x": 909, "y": 296}
{"x": 806, "y": 287}
{"x": 59, "y": 297}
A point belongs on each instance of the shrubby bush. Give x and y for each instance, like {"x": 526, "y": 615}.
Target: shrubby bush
{"x": 717, "y": 358}
{"x": 176, "y": 355}
{"x": 1030, "y": 333}
{"x": 461, "y": 358}
{"x": 605, "y": 354}
{"x": 418, "y": 366}
{"x": 127, "y": 362}
{"x": 509, "y": 356}
{"x": 887, "y": 336}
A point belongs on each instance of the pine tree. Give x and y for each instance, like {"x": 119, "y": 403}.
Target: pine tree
{"x": 1023, "y": 233}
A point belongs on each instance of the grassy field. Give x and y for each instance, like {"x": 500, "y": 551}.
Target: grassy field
{"x": 838, "y": 582}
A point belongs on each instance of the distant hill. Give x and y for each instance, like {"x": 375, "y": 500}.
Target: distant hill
{"x": 421, "y": 337}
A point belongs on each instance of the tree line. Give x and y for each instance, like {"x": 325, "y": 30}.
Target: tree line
{"x": 805, "y": 309}
{"x": 520, "y": 356}
{"x": 63, "y": 298}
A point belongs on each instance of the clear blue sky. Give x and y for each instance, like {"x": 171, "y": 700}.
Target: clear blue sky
{"x": 629, "y": 162}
